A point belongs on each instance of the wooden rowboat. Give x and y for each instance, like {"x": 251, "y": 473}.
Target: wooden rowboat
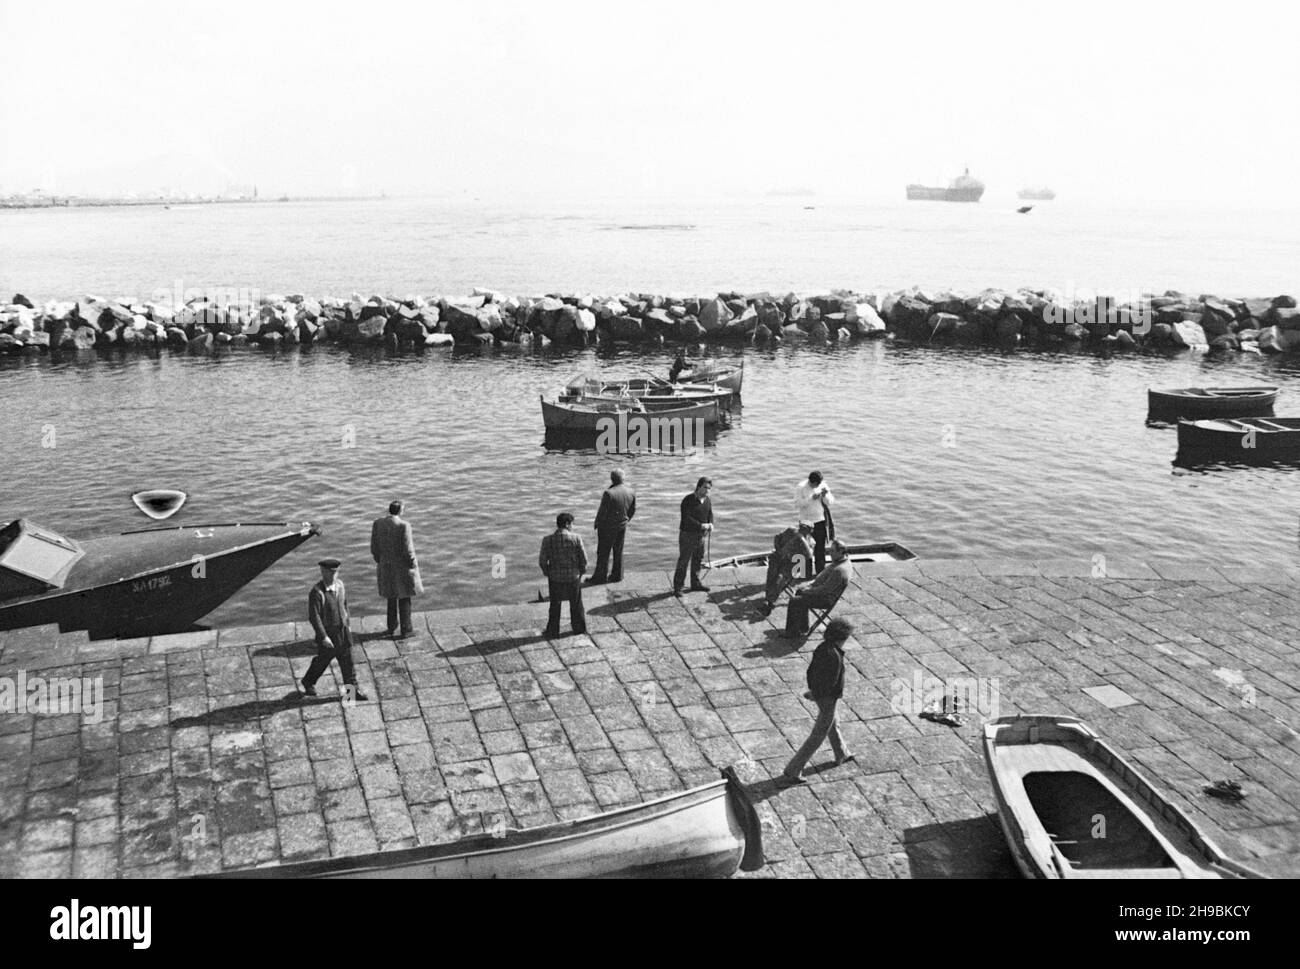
{"x": 878, "y": 553}
{"x": 729, "y": 377}
{"x": 1072, "y": 807}
{"x": 1197, "y": 402}
{"x": 600, "y": 416}
{"x": 706, "y": 832}
{"x": 1242, "y": 438}
{"x": 655, "y": 402}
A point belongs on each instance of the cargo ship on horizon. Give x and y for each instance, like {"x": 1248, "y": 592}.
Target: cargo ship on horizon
{"x": 963, "y": 188}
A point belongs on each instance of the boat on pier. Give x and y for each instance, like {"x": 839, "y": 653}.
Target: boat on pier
{"x": 709, "y": 831}
{"x": 1054, "y": 778}
{"x": 140, "y": 583}
{"x": 879, "y": 553}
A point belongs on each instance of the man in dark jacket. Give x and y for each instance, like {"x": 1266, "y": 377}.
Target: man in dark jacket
{"x": 791, "y": 560}
{"x": 327, "y": 610}
{"x": 617, "y": 506}
{"x": 825, "y": 687}
{"x": 696, "y": 524}
{"x": 393, "y": 549}
{"x": 563, "y": 560}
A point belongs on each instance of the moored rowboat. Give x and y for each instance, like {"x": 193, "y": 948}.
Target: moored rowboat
{"x": 1243, "y": 438}
{"x": 1056, "y": 781}
{"x": 728, "y": 377}
{"x": 877, "y": 553}
{"x": 1197, "y": 402}
{"x": 600, "y": 416}
{"x": 707, "y": 832}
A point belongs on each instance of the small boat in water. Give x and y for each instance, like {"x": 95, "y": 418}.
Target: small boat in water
{"x": 729, "y": 377}
{"x": 878, "y": 553}
{"x": 141, "y": 583}
{"x": 1197, "y": 402}
{"x": 601, "y": 416}
{"x": 1243, "y": 438}
{"x": 159, "y": 503}
{"x": 707, "y": 832}
{"x": 1072, "y": 807}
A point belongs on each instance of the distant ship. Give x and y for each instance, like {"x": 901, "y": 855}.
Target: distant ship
{"x": 963, "y": 188}
{"x": 1039, "y": 194}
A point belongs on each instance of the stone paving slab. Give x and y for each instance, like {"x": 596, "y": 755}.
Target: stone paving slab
{"x": 205, "y": 757}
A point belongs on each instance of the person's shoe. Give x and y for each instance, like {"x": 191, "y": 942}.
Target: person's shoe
{"x": 846, "y": 759}
{"x": 391, "y": 633}
{"x": 699, "y": 588}
{"x": 406, "y": 634}
{"x": 677, "y": 593}
{"x": 786, "y": 780}
{"x": 356, "y": 694}
{"x": 765, "y": 609}
{"x": 551, "y": 633}
{"x": 307, "y": 689}
{"x": 593, "y": 580}
{"x": 615, "y": 578}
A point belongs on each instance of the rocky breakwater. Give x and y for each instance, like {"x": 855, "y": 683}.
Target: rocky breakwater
{"x": 487, "y": 318}
{"x": 1045, "y": 318}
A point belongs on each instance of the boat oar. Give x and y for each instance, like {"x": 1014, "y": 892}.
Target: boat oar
{"x": 657, "y": 379}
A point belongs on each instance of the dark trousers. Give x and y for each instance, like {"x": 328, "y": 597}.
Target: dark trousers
{"x": 400, "y": 607}
{"x": 819, "y": 546}
{"x": 342, "y": 651}
{"x": 796, "y": 612}
{"x": 690, "y": 552}
{"x": 561, "y": 591}
{"x": 823, "y": 727}
{"x": 609, "y": 540}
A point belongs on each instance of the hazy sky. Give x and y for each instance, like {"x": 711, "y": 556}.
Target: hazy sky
{"x": 501, "y": 98}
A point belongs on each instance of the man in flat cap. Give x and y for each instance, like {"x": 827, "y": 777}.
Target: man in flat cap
{"x": 327, "y": 609}
{"x": 825, "y": 687}
{"x": 393, "y": 549}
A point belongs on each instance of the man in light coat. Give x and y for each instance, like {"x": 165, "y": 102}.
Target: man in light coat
{"x": 393, "y": 549}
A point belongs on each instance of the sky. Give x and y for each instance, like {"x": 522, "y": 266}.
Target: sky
{"x": 502, "y": 99}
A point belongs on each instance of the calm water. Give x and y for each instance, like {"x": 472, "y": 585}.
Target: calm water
{"x": 1052, "y": 457}
{"x": 426, "y": 246}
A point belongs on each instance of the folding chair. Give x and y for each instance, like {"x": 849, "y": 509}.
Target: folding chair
{"x": 823, "y": 614}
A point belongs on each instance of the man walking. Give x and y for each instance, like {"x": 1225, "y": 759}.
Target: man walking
{"x": 617, "y": 506}
{"x": 821, "y": 593}
{"x": 327, "y": 610}
{"x": 791, "y": 559}
{"x": 813, "y": 500}
{"x": 696, "y": 524}
{"x": 393, "y": 549}
{"x": 825, "y": 687}
{"x": 563, "y": 560}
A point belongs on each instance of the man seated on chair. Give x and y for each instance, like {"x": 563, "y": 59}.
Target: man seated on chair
{"x": 790, "y": 560}
{"x": 821, "y": 593}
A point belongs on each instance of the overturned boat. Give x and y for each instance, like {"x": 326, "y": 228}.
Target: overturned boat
{"x": 146, "y": 582}
{"x": 1071, "y": 808}
{"x": 706, "y": 832}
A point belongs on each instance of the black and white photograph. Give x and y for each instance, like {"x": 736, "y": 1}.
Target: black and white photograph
{"x": 701, "y": 440}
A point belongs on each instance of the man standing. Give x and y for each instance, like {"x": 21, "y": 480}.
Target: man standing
{"x": 617, "y": 506}
{"x": 825, "y": 687}
{"x": 327, "y": 610}
{"x": 822, "y": 592}
{"x": 791, "y": 559}
{"x": 813, "y": 500}
{"x": 393, "y": 549}
{"x": 696, "y": 524}
{"x": 563, "y": 560}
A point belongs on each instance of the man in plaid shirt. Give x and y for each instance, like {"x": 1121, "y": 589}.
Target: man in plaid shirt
{"x": 563, "y": 560}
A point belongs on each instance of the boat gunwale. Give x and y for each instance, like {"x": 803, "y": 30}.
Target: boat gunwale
{"x": 725, "y": 788}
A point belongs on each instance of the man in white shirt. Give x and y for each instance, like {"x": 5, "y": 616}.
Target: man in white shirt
{"x": 812, "y": 498}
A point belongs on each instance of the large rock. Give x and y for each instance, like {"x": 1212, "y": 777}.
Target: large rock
{"x": 1284, "y": 302}
{"x": 1286, "y": 318}
{"x": 867, "y": 321}
{"x": 689, "y": 330}
{"x": 370, "y": 330}
{"x": 909, "y": 318}
{"x": 714, "y": 315}
{"x": 1188, "y": 334}
{"x": 941, "y": 325}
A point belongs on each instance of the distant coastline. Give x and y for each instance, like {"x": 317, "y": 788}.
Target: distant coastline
{"x": 76, "y": 201}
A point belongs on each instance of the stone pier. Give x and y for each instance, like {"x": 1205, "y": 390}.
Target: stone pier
{"x": 204, "y": 757}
